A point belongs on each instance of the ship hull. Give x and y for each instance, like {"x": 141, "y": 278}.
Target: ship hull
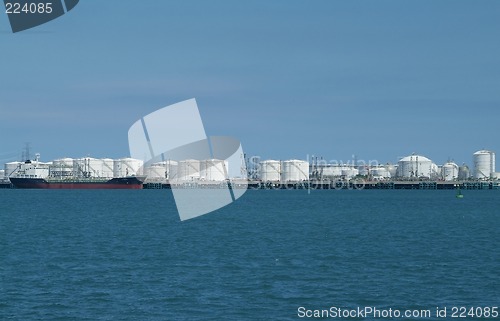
{"x": 115, "y": 183}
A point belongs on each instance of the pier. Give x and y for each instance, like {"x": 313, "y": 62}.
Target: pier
{"x": 324, "y": 185}
{"x": 339, "y": 185}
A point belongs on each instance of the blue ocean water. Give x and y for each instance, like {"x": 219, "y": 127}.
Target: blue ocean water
{"x": 124, "y": 255}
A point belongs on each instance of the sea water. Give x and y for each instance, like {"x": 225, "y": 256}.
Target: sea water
{"x": 271, "y": 255}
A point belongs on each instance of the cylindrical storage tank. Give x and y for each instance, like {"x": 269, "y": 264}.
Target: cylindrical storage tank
{"x": 380, "y": 172}
{"x": 188, "y": 170}
{"x": 449, "y": 171}
{"x": 329, "y": 172}
{"x": 171, "y": 169}
{"x": 88, "y": 167}
{"x": 213, "y": 170}
{"x": 415, "y": 166}
{"x": 349, "y": 172}
{"x": 484, "y": 164}
{"x": 79, "y": 167}
{"x": 156, "y": 171}
{"x": 364, "y": 170}
{"x": 270, "y": 170}
{"x": 463, "y": 172}
{"x": 392, "y": 169}
{"x": 62, "y": 167}
{"x": 439, "y": 171}
{"x": 162, "y": 170}
{"x": 107, "y": 167}
{"x": 435, "y": 172}
{"x": 124, "y": 167}
{"x": 294, "y": 171}
{"x": 11, "y": 168}
{"x": 45, "y": 164}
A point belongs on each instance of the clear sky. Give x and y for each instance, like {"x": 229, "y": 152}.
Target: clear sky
{"x": 379, "y": 79}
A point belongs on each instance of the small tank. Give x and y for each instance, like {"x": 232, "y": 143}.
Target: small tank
{"x": 463, "y": 172}
{"x": 392, "y": 169}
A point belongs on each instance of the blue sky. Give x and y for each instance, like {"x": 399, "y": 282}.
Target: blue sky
{"x": 379, "y": 79}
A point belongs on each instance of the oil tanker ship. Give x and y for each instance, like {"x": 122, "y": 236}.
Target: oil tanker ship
{"x": 132, "y": 182}
{"x": 37, "y": 175}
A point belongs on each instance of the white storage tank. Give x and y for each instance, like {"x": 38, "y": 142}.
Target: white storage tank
{"x": 294, "y": 170}
{"x": 162, "y": 170}
{"x": 270, "y": 170}
{"x": 156, "y": 171}
{"x": 484, "y": 164}
{"x": 435, "y": 171}
{"x": 363, "y": 170}
{"x": 392, "y": 169}
{"x": 463, "y": 172}
{"x": 107, "y": 167}
{"x": 416, "y": 166}
{"x": 11, "y": 168}
{"x": 124, "y": 167}
{"x": 213, "y": 170}
{"x": 349, "y": 172}
{"x": 330, "y": 171}
{"x": 88, "y": 167}
{"x": 171, "y": 169}
{"x": 449, "y": 171}
{"x": 62, "y": 167}
{"x": 380, "y": 172}
{"x": 188, "y": 170}
{"x": 440, "y": 171}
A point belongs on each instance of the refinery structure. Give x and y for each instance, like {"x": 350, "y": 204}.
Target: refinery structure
{"x": 412, "y": 169}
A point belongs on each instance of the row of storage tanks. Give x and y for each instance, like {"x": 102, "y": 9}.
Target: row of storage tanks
{"x": 186, "y": 170}
{"x": 417, "y": 166}
{"x": 285, "y": 171}
{"x": 410, "y": 167}
{"x": 421, "y": 166}
{"x": 299, "y": 170}
{"x": 413, "y": 166}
